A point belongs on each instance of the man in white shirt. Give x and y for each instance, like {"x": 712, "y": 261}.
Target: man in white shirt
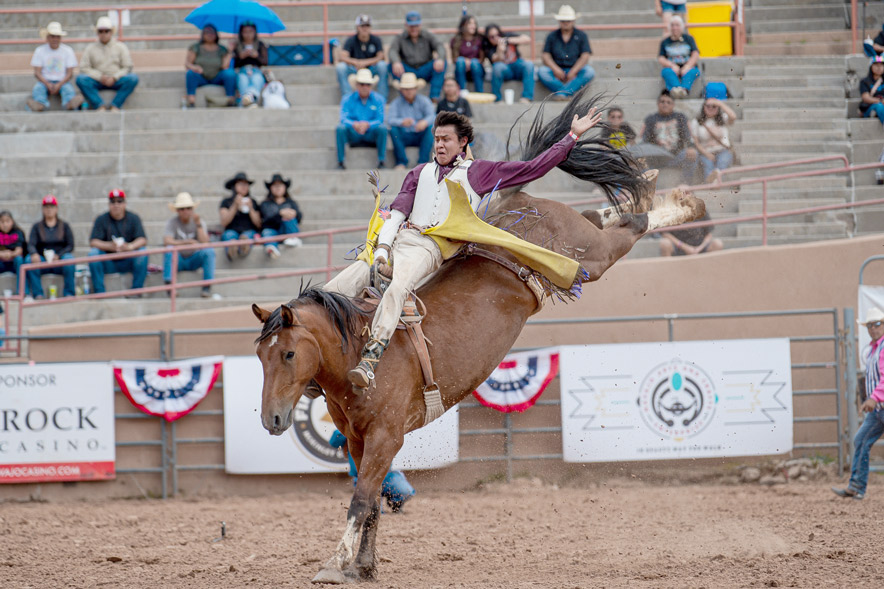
{"x": 53, "y": 65}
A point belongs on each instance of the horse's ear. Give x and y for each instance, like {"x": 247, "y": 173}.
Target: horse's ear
{"x": 260, "y": 313}
{"x": 288, "y": 318}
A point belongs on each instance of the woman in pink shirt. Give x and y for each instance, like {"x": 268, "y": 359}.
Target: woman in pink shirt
{"x": 873, "y": 426}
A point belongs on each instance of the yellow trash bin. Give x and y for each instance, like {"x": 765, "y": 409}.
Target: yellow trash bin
{"x": 711, "y": 41}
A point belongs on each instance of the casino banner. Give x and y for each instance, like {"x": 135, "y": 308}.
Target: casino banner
{"x": 656, "y": 401}
{"x": 57, "y": 423}
{"x": 518, "y": 381}
{"x": 304, "y": 447}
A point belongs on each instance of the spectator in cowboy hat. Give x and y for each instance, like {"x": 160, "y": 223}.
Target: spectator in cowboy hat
{"x": 53, "y": 64}
{"x": 240, "y": 215}
{"x": 362, "y": 118}
{"x": 411, "y": 120}
{"x": 280, "y": 214}
{"x": 51, "y": 238}
{"x": 117, "y": 231}
{"x": 186, "y": 228}
{"x": 106, "y": 65}
{"x": 419, "y": 52}
{"x": 363, "y": 51}
{"x": 566, "y": 52}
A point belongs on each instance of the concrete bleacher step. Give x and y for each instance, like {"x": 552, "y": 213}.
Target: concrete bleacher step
{"x": 865, "y": 129}
{"x": 814, "y": 134}
{"x": 816, "y": 230}
{"x": 758, "y": 113}
{"x": 754, "y": 207}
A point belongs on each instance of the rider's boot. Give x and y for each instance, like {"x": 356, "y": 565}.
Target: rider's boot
{"x": 313, "y": 390}
{"x": 363, "y": 375}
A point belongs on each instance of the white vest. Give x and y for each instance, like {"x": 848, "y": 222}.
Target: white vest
{"x": 431, "y": 201}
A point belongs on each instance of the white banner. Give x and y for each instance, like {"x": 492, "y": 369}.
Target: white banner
{"x": 668, "y": 400}
{"x": 250, "y": 449}
{"x": 57, "y": 422}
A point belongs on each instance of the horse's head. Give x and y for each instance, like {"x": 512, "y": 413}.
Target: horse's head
{"x": 290, "y": 357}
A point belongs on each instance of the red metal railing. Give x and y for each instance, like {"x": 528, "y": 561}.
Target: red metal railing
{"x": 736, "y": 23}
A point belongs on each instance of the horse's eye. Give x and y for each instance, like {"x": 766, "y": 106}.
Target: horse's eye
{"x": 289, "y": 355}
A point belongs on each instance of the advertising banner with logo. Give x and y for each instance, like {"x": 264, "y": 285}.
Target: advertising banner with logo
{"x": 57, "y": 423}
{"x": 304, "y": 447}
{"x": 668, "y": 400}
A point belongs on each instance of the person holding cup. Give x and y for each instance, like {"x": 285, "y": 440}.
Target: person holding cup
{"x": 240, "y": 215}
{"x": 117, "y": 231}
{"x": 50, "y": 239}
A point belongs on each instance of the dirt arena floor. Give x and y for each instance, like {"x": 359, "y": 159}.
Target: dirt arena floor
{"x": 624, "y": 533}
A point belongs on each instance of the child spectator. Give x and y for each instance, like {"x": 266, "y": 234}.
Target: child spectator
{"x": 468, "y": 52}
{"x": 117, "y": 230}
{"x": 710, "y": 136}
{"x": 566, "y": 52}
{"x": 363, "y": 51}
{"x": 679, "y": 57}
{"x": 280, "y": 214}
{"x": 418, "y": 52}
{"x": 186, "y": 228}
{"x": 53, "y": 65}
{"x": 620, "y": 134}
{"x": 871, "y": 90}
{"x": 411, "y": 120}
{"x": 207, "y": 62}
{"x": 452, "y": 101}
{"x": 240, "y": 215}
{"x": 106, "y": 65}
{"x": 249, "y": 56}
{"x": 12, "y": 245}
{"x": 51, "y": 238}
{"x": 669, "y": 130}
{"x": 362, "y": 118}
{"x": 506, "y": 62}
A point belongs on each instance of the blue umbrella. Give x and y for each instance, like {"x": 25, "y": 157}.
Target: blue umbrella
{"x": 228, "y": 15}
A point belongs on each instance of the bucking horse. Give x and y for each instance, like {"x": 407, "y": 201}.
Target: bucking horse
{"x": 477, "y": 304}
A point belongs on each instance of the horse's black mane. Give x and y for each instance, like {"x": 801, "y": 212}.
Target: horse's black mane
{"x": 346, "y": 315}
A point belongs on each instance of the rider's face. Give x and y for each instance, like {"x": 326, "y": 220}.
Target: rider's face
{"x": 447, "y": 144}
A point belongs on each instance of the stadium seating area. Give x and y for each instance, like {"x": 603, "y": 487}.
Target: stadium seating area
{"x": 792, "y": 91}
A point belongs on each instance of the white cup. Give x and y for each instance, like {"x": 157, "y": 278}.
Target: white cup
{"x": 49, "y": 255}
{"x": 118, "y": 241}
{"x": 464, "y": 93}
{"x": 244, "y": 209}
{"x": 509, "y": 96}
{"x": 7, "y": 293}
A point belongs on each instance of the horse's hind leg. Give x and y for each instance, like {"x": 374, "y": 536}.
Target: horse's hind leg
{"x": 366, "y": 561}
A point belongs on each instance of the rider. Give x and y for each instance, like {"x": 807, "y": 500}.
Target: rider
{"x": 423, "y": 202}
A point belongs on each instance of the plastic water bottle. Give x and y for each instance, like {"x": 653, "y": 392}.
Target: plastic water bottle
{"x": 86, "y": 284}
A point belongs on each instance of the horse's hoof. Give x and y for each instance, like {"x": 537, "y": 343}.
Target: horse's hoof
{"x": 330, "y": 577}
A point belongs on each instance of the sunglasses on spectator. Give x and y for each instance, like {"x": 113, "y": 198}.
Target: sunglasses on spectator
{"x": 875, "y": 324}
{"x": 185, "y": 208}
{"x": 104, "y": 31}
{"x": 117, "y": 200}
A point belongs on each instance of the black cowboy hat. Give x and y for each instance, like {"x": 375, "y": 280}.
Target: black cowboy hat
{"x": 278, "y": 178}
{"x": 239, "y": 176}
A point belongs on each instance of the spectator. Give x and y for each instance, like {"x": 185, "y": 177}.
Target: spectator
{"x": 874, "y": 48}
{"x": 240, "y": 215}
{"x": 565, "y": 57}
{"x": 53, "y": 65}
{"x": 418, "y": 52}
{"x": 871, "y": 90}
{"x": 51, "y": 238}
{"x": 12, "y": 245}
{"x": 669, "y": 9}
{"x": 411, "y": 120}
{"x": 280, "y": 214}
{"x": 187, "y": 228}
{"x": 669, "y": 130}
{"x": 118, "y": 230}
{"x": 452, "y": 101}
{"x": 363, "y": 51}
{"x": 362, "y": 118}
{"x": 620, "y": 134}
{"x": 207, "y": 62}
{"x": 106, "y": 65}
{"x": 468, "y": 52}
{"x": 506, "y": 62}
{"x": 873, "y": 405}
{"x": 689, "y": 242}
{"x": 710, "y": 136}
{"x": 249, "y": 56}
{"x": 679, "y": 56}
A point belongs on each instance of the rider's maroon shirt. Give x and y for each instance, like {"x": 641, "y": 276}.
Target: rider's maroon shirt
{"x": 483, "y": 175}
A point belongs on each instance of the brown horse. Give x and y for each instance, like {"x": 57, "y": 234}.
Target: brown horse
{"x": 476, "y": 309}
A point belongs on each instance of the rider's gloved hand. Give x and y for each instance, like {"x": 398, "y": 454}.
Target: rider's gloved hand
{"x": 382, "y": 263}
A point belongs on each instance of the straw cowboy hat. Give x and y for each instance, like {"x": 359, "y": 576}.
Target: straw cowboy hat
{"x": 409, "y": 81}
{"x": 53, "y": 28}
{"x": 872, "y": 315}
{"x": 363, "y": 76}
{"x": 566, "y": 13}
{"x": 105, "y": 22}
{"x": 183, "y": 200}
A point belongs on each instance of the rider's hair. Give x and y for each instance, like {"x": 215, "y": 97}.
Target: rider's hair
{"x": 462, "y": 125}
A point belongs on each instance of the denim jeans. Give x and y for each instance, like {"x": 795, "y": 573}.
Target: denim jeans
{"x": 230, "y": 235}
{"x": 674, "y": 81}
{"x": 224, "y": 78}
{"x": 90, "y": 87}
{"x": 427, "y": 73}
{"x": 875, "y": 109}
{"x": 866, "y": 436}
{"x": 204, "y": 259}
{"x": 12, "y": 266}
{"x": 403, "y": 138}
{"x": 137, "y": 266}
{"x": 375, "y": 136}
{"x": 40, "y": 93}
{"x": 250, "y": 80}
{"x": 556, "y": 86}
{"x": 36, "y": 287}
{"x": 290, "y": 226}
{"x": 723, "y": 160}
{"x": 381, "y": 69}
{"x": 476, "y": 69}
{"x": 518, "y": 70}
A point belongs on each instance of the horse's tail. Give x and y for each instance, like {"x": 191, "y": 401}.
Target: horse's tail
{"x": 593, "y": 159}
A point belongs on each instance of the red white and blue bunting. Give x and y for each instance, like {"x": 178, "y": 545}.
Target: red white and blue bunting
{"x": 517, "y": 383}
{"x": 169, "y": 390}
